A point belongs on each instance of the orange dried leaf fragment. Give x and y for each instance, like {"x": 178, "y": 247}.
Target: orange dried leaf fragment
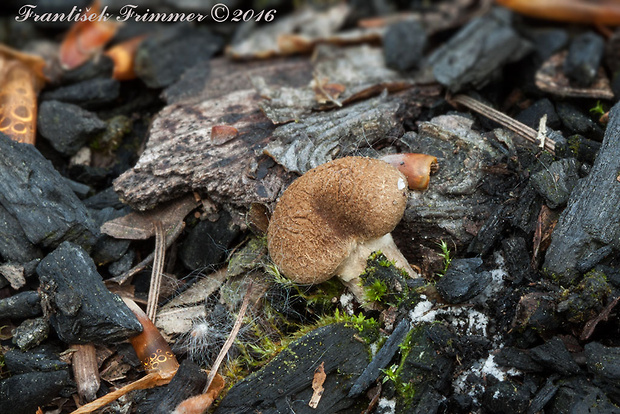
{"x": 416, "y": 167}
{"x": 22, "y": 78}
{"x": 85, "y": 39}
{"x": 123, "y": 56}
{"x": 605, "y": 12}
{"x": 199, "y": 404}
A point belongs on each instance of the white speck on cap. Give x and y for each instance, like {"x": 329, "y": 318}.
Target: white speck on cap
{"x": 401, "y": 184}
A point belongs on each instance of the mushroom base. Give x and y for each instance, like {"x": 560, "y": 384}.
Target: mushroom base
{"x": 354, "y": 265}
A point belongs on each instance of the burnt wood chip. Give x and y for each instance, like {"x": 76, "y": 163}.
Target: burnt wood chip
{"x": 463, "y": 280}
{"x": 21, "y": 305}
{"x": 39, "y": 359}
{"x": 66, "y": 126}
{"x": 554, "y": 355}
{"x": 591, "y": 219}
{"x": 82, "y": 308}
{"x": 381, "y": 359}
{"x": 285, "y": 383}
{"x": 162, "y": 58}
{"x": 187, "y": 382}
{"x": 476, "y": 52}
{"x": 22, "y": 394}
{"x": 14, "y": 244}
{"x": 89, "y": 94}
{"x": 39, "y": 199}
{"x": 584, "y": 57}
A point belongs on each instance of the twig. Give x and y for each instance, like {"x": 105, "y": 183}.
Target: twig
{"x": 231, "y": 338}
{"x": 158, "y": 267}
{"x": 174, "y": 234}
{"x": 512, "y": 124}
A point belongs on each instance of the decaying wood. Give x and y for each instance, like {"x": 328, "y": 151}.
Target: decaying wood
{"x": 591, "y": 220}
{"x": 180, "y": 157}
{"x": 158, "y": 269}
{"x": 86, "y": 371}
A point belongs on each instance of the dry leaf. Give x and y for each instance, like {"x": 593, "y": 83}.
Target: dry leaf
{"x": 123, "y": 55}
{"x": 200, "y": 403}
{"x": 602, "y": 12}
{"x": 139, "y": 225}
{"x": 551, "y": 78}
{"x": 317, "y": 385}
{"x": 86, "y": 38}
{"x": 547, "y": 220}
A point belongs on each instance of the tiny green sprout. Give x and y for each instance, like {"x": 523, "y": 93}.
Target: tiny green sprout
{"x": 376, "y": 291}
{"x": 390, "y": 374}
{"x": 445, "y": 254}
{"x": 598, "y": 109}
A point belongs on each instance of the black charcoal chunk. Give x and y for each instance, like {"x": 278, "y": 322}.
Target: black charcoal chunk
{"x": 547, "y": 41}
{"x": 431, "y": 402}
{"x": 584, "y": 149}
{"x": 478, "y": 51}
{"x": 288, "y": 377}
{"x": 31, "y": 333}
{"x": 34, "y": 193}
{"x": 554, "y": 355}
{"x": 84, "y": 310}
{"x": 463, "y": 280}
{"x": 508, "y": 397}
{"x": 578, "y": 395}
{"x": 163, "y": 57}
{"x": 24, "y": 393}
{"x": 103, "y": 199}
{"x": 517, "y": 358}
{"x": 188, "y": 381}
{"x": 489, "y": 235}
{"x": 531, "y": 115}
{"x": 21, "y": 305}
{"x": 518, "y": 260}
{"x": 544, "y": 395}
{"x": 556, "y": 182}
{"x": 584, "y": 58}
{"x": 66, "y": 126}
{"x": 14, "y": 244}
{"x": 38, "y": 359}
{"x": 108, "y": 249}
{"x": 603, "y": 361}
{"x": 403, "y": 45}
{"x": 381, "y": 359}
{"x": 208, "y": 242}
{"x": 576, "y": 122}
{"x": 89, "y": 94}
{"x": 100, "y": 67}
{"x": 591, "y": 218}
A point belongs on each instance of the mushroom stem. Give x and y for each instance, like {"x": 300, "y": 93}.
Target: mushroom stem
{"x": 355, "y": 264}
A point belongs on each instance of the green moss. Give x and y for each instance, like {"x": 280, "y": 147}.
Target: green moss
{"x": 383, "y": 282}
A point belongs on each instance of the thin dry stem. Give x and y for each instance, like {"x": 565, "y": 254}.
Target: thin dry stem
{"x": 174, "y": 234}
{"x": 231, "y": 337}
{"x": 522, "y": 130}
{"x": 158, "y": 267}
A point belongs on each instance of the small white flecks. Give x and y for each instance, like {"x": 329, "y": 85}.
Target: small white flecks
{"x": 491, "y": 368}
{"x": 496, "y": 395}
{"x": 401, "y": 184}
{"x": 422, "y": 312}
{"x": 346, "y": 301}
{"x": 387, "y": 406}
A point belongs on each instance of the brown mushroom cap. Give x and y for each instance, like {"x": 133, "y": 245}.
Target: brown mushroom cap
{"x": 325, "y": 213}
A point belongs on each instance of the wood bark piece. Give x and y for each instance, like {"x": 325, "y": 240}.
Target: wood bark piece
{"x": 180, "y": 156}
{"x": 82, "y": 309}
{"x": 340, "y": 76}
{"x": 591, "y": 220}
{"x": 454, "y": 206}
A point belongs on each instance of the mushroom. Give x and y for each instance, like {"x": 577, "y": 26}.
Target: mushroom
{"x": 332, "y": 218}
